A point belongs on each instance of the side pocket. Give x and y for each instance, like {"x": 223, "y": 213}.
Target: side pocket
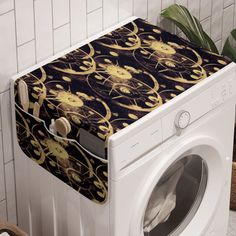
{"x": 64, "y": 158}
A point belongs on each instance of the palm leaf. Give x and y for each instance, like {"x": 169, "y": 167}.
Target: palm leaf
{"x": 190, "y": 26}
{"x": 229, "y": 49}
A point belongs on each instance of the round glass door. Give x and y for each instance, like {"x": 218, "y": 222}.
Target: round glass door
{"x": 176, "y": 197}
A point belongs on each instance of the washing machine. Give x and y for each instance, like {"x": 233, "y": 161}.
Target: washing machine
{"x": 146, "y": 144}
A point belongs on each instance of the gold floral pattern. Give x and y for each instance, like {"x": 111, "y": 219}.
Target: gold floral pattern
{"x": 103, "y": 87}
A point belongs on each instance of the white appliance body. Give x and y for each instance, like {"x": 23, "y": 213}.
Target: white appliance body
{"x": 138, "y": 157}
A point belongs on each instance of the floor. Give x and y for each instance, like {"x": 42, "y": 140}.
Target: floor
{"x": 232, "y": 224}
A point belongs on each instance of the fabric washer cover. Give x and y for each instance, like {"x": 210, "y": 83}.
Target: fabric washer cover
{"x": 101, "y": 88}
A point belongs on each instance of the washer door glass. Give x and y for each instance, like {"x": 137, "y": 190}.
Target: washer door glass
{"x": 176, "y": 197}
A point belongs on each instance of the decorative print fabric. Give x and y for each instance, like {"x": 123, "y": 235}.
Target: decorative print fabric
{"x": 103, "y": 87}
{"x": 64, "y": 158}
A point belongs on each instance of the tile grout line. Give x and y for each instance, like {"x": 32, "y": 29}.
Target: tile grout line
{"x": 86, "y": 26}
{"x": 53, "y": 43}
{"x": 4, "y": 169}
{"x": 35, "y": 43}
{"x": 17, "y": 61}
{"x": 31, "y": 40}
{"x": 67, "y": 23}
{"x": 70, "y": 21}
{"x": 17, "y": 64}
{"x": 88, "y": 12}
{"x": 6, "y": 12}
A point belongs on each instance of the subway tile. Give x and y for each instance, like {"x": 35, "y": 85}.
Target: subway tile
{"x": 78, "y": 20}
{"x": 182, "y": 2}
{"x": 216, "y": 19}
{"x": 26, "y": 55}
{"x": 94, "y": 22}
{"x": 24, "y": 21}
{"x": 228, "y": 22}
{"x": 125, "y": 9}
{"x": 235, "y": 15}
{"x": 140, "y": 8}
{"x": 167, "y": 3}
{"x": 2, "y": 177}
{"x": 193, "y": 7}
{"x": 43, "y": 29}
{"x": 93, "y": 5}
{"x": 10, "y": 192}
{"x": 8, "y": 57}
{"x": 60, "y": 13}
{"x": 110, "y": 13}
{"x": 205, "y": 8}
{"x": 6, "y": 5}
{"x": 6, "y": 126}
{"x": 228, "y": 3}
{"x": 61, "y": 38}
{"x": 154, "y": 9}
{"x": 3, "y": 210}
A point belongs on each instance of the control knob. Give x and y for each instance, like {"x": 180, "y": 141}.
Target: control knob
{"x": 182, "y": 120}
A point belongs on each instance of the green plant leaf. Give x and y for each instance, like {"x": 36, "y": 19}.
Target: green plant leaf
{"x": 190, "y": 26}
{"x": 229, "y": 48}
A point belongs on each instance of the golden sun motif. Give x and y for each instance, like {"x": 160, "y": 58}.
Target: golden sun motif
{"x": 118, "y": 72}
{"x": 161, "y": 47}
{"x": 56, "y": 149}
{"x": 68, "y": 98}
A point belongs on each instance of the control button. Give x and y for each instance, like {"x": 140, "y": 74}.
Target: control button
{"x": 182, "y": 119}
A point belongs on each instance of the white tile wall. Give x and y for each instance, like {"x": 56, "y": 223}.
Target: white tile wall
{"x": 61, "y": 38}
{"x": 24, "y": 12}
{"x": 6, "y": 5}
{"x": 141, "y": 7}
{"x": 33, "y": 30}
{"x": 2, "y": 176}
{"x": 43, "y": 29}
{"x": 26, "y": 55}
{"x": 10, "y": 192}
{"x": 95, "y": 21}
{"x": 110, "y": 12}
{"x": 205, "y": 9}
{"x": 78, "y": 20}
{"x": 3, "y": 210}
{"x": 126, "y": 9}
{"x": 61, "y": 11}
{"x": 8, "y": 50}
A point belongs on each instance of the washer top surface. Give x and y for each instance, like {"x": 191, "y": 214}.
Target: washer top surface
{"x": 118, "y": 78}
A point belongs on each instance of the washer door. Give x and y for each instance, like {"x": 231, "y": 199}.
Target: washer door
{"x": 181, "y": 187}
{"x": 176, "y": 197}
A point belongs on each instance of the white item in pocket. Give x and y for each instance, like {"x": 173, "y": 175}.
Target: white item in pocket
{"x": 23, "y": 95}
{"x": 36, "y": 110}
{"x": 62, "y": 126}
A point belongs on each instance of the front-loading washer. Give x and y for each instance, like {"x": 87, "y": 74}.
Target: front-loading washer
{"x": 166, "y": 165}
{"x": 189, "y": 175}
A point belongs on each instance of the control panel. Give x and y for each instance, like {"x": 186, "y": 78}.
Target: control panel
{"x": 196, "y": 107}
{"x": 221, "y": 92}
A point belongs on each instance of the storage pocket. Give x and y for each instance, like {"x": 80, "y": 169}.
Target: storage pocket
{"x": 64, "y": 158}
